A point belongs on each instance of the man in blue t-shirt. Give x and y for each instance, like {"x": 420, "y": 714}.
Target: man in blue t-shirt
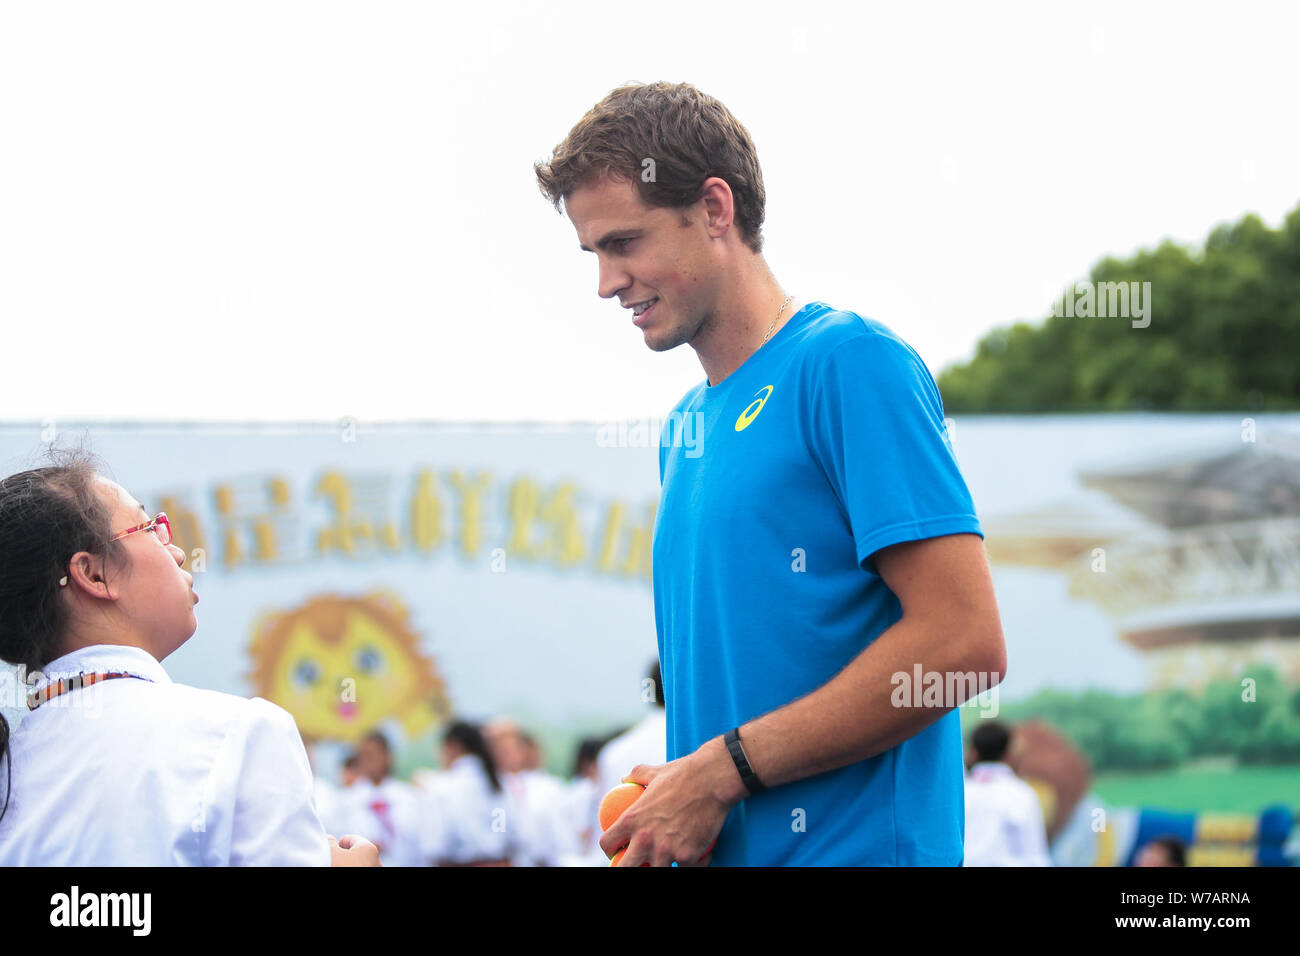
{"x": 822, "y": 595}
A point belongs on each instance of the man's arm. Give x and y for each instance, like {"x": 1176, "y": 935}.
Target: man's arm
{"x": 950, "y": 624}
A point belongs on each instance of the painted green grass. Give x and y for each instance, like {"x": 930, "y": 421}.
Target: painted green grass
{"x": 1217, "y": 789}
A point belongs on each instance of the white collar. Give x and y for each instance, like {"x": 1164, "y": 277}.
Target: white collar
{"x": 467, "y": 765}
{"x": 104, "y": 657}
{"x": 991, "y": 768}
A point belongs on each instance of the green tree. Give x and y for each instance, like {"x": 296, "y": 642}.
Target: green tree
{"x": 1224, "y": 321}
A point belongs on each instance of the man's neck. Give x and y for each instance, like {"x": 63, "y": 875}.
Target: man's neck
{"x": 739, "y": 322}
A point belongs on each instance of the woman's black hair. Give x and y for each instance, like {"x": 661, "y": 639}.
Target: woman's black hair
{"x": 588, "y": 752}
{"x": 470, "y": 739}
{"x": 47, "y": 515}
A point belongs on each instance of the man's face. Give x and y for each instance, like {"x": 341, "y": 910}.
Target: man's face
{"x": 646, "y": 254}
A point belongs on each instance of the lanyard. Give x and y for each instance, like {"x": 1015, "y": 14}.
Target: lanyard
{"x": 62, "y": 686}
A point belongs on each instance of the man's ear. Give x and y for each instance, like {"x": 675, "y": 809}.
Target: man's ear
{"x": 719, "y": 206}
{"x": 86, "y": 572}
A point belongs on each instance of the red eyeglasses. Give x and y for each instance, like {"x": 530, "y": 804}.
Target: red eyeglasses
{"x": 158, "y": 523}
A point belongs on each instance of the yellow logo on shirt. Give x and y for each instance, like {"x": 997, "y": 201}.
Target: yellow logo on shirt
{"x": 754, "y": 407}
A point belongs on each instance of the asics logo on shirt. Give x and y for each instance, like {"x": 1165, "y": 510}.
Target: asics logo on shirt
{"x": 751, "y": 411}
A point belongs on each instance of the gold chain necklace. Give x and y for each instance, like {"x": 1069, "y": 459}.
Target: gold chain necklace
{"x": 773, "y": 325}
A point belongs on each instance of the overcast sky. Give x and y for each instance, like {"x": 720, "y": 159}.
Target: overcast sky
{"x": 316, "y": 210}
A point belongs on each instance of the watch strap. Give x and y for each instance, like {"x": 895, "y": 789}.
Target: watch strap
{"x": 747, "y": 775}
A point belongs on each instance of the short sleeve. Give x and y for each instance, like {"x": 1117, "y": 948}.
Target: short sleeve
{"x": 877, "y": 428}
{"x": 275, "y": 820}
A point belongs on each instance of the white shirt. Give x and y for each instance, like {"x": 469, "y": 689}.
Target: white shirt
{"x": 582, "y": 822}
{"x": 1004, "y": 819}
{"x": 646, "y": 743}
{"x": 330, "y": 806}
{"x": 541, "y": 802}
{"x": 388, "y": 814}
{"x": 132, "y": 772}
{"x": 465, "y": 819}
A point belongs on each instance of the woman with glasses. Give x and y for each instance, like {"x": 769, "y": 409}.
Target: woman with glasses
{"x": 114, "y": 764}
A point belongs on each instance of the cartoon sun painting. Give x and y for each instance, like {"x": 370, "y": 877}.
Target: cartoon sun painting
{"x": 343, "y": 665}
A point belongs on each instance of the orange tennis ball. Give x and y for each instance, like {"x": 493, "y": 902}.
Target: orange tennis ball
{"x": 618, "y": 856}
{"x": 612, "y": 806}
{"x": 616, "y": 801}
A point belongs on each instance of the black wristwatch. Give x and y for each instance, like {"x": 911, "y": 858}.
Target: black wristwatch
{"x": 747, "y": 775}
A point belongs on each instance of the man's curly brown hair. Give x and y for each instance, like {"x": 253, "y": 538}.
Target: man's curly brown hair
{"x": 689, "y": 136}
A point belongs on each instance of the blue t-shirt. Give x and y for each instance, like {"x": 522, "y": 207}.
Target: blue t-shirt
{"x": 779, "y": 484}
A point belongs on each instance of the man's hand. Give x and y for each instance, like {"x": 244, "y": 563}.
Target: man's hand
{"x": 353, "y": 850}
{"x": 685, "y": 803}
